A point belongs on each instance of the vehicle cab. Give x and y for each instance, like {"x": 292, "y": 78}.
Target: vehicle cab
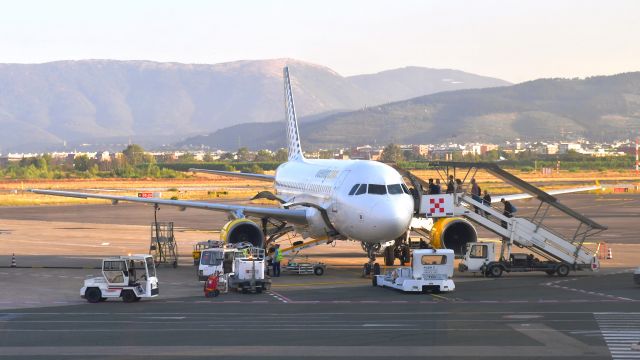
{"x": 217, "y": 259}
{"x": 477, "y": 256}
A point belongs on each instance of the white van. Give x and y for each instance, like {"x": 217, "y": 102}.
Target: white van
{"x": 216, "y": 259}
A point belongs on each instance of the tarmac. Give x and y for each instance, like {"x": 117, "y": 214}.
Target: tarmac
{"x": 532, "y": 315}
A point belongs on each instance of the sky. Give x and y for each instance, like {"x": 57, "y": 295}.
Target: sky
{"x": 512, "y": 40}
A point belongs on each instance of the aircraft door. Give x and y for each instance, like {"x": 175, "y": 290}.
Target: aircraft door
{"x": 116, "y": 272}
{"x": 334, "y": 197}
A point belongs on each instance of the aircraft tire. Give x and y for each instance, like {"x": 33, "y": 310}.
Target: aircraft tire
{"x": 389, "y": 256}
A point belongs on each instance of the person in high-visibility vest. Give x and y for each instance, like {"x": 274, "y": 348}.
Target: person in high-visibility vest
{"x": 277, "y": 257}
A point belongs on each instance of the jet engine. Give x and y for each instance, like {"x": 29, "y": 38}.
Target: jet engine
{"x": 453, "y": 233}
{"x": 240, "y": 230}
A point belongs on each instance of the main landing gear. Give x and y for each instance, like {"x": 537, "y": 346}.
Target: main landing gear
{"x": 371, "y": 267}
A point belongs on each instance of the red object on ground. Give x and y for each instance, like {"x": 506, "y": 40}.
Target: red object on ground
{"x": 211, "y": 286}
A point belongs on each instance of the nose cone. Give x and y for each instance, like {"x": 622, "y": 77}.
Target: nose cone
{"x": 390, "y": 218}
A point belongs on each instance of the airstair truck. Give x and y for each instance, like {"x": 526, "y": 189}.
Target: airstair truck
{"x": 431, "y": 270}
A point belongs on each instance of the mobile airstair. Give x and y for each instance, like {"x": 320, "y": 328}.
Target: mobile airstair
{"x": 530, "y": 233}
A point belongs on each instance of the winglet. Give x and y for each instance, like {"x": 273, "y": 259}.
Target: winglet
{"x": 293, "y": 135}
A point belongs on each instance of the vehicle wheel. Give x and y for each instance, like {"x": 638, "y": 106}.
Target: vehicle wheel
{"x": 259, "y": 290}
{"x": 376, "y": 269}
{"x": 128, "y": 296}
{"x": 374, "y": 281}
{"x": 137, "y": 299}
{"x": 215, "y": 293}
{"x": 175, "y": 264}
{"x": 562, "y": 270}
{"x": 389, "y": 256}
{"x": 550, "y": 272}
{"x": 366, "y": 270}
{"x": 495, "y": 271}
{"x": 93, "y": 295}
{"x": 266, "y": 286}
{"x": 318, "y": 270}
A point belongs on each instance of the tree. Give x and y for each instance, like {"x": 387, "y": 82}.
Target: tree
{"x": 134, "y": 154}
{"x": 263, "y": 156}
{"x": 392, "y": 154}
{"x": 187, "y": 157}
{"x": 81, "y": 163}
{"x": 208, "y": 157}
{"x": 281, "y": 155}
{"x": 244, "y": 155}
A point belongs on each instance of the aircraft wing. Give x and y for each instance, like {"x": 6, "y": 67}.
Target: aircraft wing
{"x": 521, "y": 196}
{"x": 260, "y": 177}
{"x": 289, "y": 215}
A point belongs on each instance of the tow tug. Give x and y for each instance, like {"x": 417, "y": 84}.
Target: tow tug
{"x": 431, "y": 270}
{"x": 130, "y": 277}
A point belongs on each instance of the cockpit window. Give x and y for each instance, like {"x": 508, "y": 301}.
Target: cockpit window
{"x": 353, "y": 189}
{"x": 405, "y": 189}
{"x": 394, "y": 189}
{"x": 362, "y": 189}
{"x": 377, "y": 189}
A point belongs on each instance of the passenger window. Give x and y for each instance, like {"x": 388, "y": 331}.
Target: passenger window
{"x": 394, "y": 189}
{"x": 478, "y": 252}
{"x": 434, "y": 259}
{"x": 362, "y": 189}
{"x": 377, "y": 189}
{"x": 353, "y": 189}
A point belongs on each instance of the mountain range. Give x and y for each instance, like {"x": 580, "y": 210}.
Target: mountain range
{"x": 600, "y": 108}
{"x": 43, "y": 106}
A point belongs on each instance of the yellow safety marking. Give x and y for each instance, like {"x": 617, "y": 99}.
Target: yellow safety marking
{"x": 440, "y": 297}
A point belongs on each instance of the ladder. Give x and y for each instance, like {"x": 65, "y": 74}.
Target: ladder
{"x": 526, "y": 233}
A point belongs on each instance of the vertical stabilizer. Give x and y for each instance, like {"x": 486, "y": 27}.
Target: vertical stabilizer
{"x": 293, "y": 136}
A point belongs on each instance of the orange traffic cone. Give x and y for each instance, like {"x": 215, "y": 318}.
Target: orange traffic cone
{"x": 13, "y": 261}
{"x": 609, "y": 254}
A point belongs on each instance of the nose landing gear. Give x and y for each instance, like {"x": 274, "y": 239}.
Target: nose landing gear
{"x": 371, "y": 267}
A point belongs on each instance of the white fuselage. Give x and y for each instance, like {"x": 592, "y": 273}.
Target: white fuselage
{"x": 371, "y": 214}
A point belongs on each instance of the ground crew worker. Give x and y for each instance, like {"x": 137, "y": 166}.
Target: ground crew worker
{"x": 277, "y": 257}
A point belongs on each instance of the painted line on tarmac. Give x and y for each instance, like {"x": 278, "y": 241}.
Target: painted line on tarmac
{"x": 322, "y": 283}
{"x": 556, "y": 284}
{"x": 280, "y": 297}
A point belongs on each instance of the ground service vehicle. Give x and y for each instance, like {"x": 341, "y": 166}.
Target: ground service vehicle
{"x": 216, "y": 259}
{"x": 249, "y": 273}
{"x": 129, "y": 277}
{"x": 480, "y": 257}
{"x": 202, "y": 245}
{"x": 431, "y": 270}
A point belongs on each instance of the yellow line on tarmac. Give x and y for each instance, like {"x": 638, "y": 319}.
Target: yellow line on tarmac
{"x": 440, "y": 297}
{"x": 320, "y": 283}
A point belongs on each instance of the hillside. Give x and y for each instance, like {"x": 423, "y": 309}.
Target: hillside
{"x": 602, "y": 107}
{"x": 102, "y": 101}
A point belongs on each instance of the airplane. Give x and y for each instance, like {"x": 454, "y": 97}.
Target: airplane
{"x": 362, "y": 200}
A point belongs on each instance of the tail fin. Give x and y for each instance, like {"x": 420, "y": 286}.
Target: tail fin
{"x": 293, "y": 136}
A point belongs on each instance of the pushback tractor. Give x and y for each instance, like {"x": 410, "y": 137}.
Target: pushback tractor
{"x": 128, "y": 277}
{"x": 431, "y": 270}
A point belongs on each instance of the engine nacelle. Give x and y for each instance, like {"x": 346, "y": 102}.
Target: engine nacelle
{"x": 239, "y": 230}
{"x": 453, "y": 233}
